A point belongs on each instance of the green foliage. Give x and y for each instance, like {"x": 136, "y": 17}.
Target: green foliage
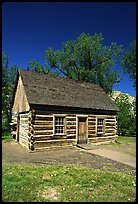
{"x": 86, "y": 59}
{"x": 6, "y": 136}
{"x": 37, "y": 67}
{"x": 8, "y": 81}
{"x": 126, "y": 116}
{"x": 128, "y": 61}
{"x": 65, "y": 184}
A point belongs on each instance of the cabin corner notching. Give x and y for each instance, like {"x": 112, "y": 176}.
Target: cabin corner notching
{"x": 52, "y": 111}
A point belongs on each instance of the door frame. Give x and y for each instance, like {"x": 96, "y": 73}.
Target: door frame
{"x": 77, "y": 127}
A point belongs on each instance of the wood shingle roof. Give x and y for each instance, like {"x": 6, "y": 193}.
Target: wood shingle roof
{"x": 44, "y": 89}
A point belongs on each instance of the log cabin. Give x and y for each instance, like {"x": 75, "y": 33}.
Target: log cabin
{"x": 52, "y": 111}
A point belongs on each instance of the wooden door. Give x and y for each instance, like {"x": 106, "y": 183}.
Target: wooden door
{"x": 82, "y": 130}
{"x": 18, "y": 128}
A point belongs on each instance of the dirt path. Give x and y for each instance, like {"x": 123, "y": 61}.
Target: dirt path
{"x": 13, "y": 152}
{"x": 116, "y": 156}
{"x": 125, "y": 153}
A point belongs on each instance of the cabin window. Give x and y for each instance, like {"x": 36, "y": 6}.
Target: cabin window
{"x": 59, "y": 125}
{"x": 100, "y": 126}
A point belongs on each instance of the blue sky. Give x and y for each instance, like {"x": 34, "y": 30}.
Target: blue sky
{"x": 29, "y": 28}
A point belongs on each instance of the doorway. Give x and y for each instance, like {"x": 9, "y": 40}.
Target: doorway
{"x": 82, "y": 130}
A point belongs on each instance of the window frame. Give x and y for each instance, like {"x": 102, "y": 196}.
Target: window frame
{"x": 103, "y": 126}
{"x": 64, "y": 124}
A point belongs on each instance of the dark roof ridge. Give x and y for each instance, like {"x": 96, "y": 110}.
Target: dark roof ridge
{"x": 63, "y": 78}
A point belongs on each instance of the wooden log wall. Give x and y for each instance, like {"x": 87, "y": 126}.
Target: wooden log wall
{"x": 43, "y": 129}
{"x": 36, "y": 129}
{"x": 23, "y": 130}
{"x": 110, "y": 129}
{"x": 91, "y": 126}
{"x": 110, "y": 126}
{"x": 71, "y": 126}
{"x": 43, "y": 132}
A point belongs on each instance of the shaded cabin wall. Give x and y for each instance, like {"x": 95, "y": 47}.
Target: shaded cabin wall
{"x": 42, "y": 124}
{"x": 24, "y": 129}
{"x": 20, "y": 108}
{"x": 20, "y": 101}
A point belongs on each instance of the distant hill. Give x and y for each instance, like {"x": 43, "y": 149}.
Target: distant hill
{"x": 117, "y": 93}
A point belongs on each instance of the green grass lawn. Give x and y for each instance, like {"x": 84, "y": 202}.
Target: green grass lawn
{"x": 6, "y": 136}
{"x": 22, "y": 183}
{"x": 127, "y": 139}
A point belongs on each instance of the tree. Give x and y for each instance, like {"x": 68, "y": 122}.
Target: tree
{"x": 126, "y": 116}
{"x": 35, "y": 66}
{"x": 86, "y": 59}
{"x": 128, "y": 61}
{"x": 8, "y": 80}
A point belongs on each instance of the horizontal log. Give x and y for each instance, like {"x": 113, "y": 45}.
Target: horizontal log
{"x": 109, "y": 127}
{"x": 91, "y": 127}
{"x": 110, "y": 120}
{"x": 91, "y": 136}
{"x": 110, "y": 117}
{"x": 91, "y": 123}
{"x": 70, "y": 132}
{"x": 91, "y": 120}
{"x": 71, "y": 115}
{"x": 48, "y": 143}
{"x": 45, "y": 124}
{"x": 100, "y": 141}
{"x": 110, "y": 134}
{"x": 109, "y": 130}
{"x": 42, "y": 122}
{"x": 110, "y": 123}
{"x": 43, "y": 138}
{"x": 71, "y": 136}
{"x": 92, "y": 117}
{"x": 71, "y": 119}
{"x": 37, "y": 136}
{"x": 60, "y": 136}
{"x": 36, "y": 122}
{"x": 102, "y": 116}
{"x": 70, "y": 123}
{"x": 44, "y": 118}
{"x": 43, "y": 128}
{"x": 91, "y": 131}
{"x": 71, "y": 127}
{"x": 107, "y": 137}
{"x": 43, "y": 132}
{"x": 43, "y": 115}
